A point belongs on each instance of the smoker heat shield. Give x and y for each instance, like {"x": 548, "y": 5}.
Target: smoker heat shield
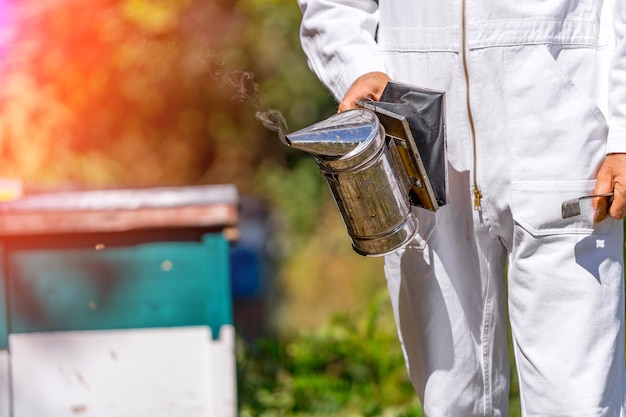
{"x": 414, "y": 118}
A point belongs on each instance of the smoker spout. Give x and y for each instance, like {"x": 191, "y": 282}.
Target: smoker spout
{"x": 336, "y": 136}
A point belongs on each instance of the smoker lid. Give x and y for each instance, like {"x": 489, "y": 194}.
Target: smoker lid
{"x": 338, "y": 135}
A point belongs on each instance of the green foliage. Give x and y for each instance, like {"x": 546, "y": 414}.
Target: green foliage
{"x": 349, "y": 367}
{"x": 275, "y": 55}
{"x": 345, "y": 368}
{"x": 296, "y": 193}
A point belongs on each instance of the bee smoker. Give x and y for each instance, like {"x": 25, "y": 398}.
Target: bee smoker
{"x": 372, "y": 164}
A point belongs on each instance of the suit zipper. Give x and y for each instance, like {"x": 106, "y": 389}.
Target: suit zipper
{"x": 477, "y": 194}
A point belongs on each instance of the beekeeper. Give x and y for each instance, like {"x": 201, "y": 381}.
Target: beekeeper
{"x": 529, "y": 126}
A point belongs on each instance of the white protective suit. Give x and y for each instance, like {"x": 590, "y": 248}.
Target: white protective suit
{"x": 528, "y": 125}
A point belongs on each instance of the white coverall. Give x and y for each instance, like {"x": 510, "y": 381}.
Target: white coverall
{"x": 528, "y": 129}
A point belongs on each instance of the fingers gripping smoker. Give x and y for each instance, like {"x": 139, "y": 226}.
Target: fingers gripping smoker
{"x": 372, "y": 160}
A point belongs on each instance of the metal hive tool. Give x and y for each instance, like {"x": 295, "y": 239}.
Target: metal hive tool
{"x": 571, "y": 208}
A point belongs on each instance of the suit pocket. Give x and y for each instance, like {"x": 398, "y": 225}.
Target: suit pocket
{"x": 536, "y": 207}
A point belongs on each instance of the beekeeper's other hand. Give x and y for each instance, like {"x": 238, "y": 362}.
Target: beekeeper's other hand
{"x": 611, "y": 178}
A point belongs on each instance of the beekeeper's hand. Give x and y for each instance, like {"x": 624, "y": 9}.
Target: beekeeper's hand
{"x": 370, "y": 85}
{"x": 611, "y": 178}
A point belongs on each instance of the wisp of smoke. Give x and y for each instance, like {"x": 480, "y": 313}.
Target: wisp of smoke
{"x": 246, "y": 89}
{"x": 274, "y": 121}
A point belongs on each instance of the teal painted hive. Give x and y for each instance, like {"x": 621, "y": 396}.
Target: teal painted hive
{"x": 117, "y": 259}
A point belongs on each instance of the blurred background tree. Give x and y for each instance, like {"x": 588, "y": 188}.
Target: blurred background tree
{"x": 137, "y": 93}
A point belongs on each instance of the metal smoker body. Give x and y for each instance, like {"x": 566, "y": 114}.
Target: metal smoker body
{"x": 365, "y": 164}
